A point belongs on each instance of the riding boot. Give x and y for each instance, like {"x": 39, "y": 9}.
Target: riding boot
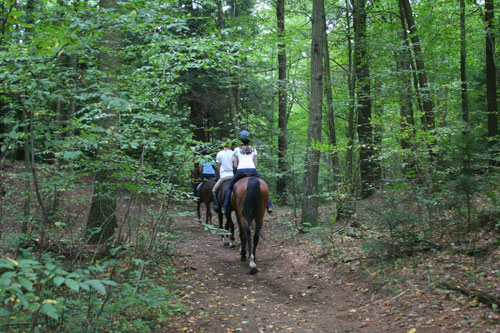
{"x": 216, "y": 202}
{"x": 225, "y": 206}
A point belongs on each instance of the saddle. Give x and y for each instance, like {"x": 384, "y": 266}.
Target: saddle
{"x": 245, "y": 175}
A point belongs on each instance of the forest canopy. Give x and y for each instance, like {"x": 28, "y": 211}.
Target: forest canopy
{"x": 107, "y": 105}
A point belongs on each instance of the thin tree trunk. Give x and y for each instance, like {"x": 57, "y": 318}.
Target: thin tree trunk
{"x": 329, "y": 101}
{"x": 282, "y": 104}
{"x": 233, "y": 91}
{"x": 403, "y": 59}
{"x": 491, "y": 88}
{"x": 463, "y": 65}
{"x": 312, "y": 158}
{"x": 351, "y": 82}
{"x": 428, "y": 104}
{"x": 27, "y": 177}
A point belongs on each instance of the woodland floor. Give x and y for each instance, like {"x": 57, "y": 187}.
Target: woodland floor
{"x": 292, "y": 292}
{"x": 304, "y": 285}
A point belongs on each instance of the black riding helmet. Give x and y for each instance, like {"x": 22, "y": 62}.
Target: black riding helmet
{"x": 244, "y": 137}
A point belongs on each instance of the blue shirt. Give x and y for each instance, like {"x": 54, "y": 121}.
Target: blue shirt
{"x": 208, "y": 168}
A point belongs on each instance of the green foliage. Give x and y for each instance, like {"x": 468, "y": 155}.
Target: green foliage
{"x": 29, "y": 287}
{"x": 77, "y": 300}
{"x": 394, "y": 226}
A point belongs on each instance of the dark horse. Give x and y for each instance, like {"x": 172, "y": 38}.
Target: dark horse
{"x": 203, "y": 191}
{"x": 249, "y": 200}
{"x": 204, "y": 194}
{"x": 221, "y": 195}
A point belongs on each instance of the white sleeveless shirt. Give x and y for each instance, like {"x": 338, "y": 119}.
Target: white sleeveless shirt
{"x": 245, "y": 161}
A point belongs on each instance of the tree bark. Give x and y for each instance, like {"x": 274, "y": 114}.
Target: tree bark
{"x": 351, "y": 82}
{"x": 364, "y": 101}
{"x": 428, "y": 105}
{"x": 330, "y": 112}
{"x": 234, "y": 93}
{"x": 403, "y": 67}
{"x": 491, "y": 88}
{"x": 101, "y": 221}
{"x": 196, "y": 114}
{"x": 282, "y": 104}
{"x": 312, "y": 158}
{"x": 463, "y": 65}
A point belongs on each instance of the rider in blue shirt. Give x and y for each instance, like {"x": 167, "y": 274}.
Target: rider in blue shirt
{"x": 207, "y": 169}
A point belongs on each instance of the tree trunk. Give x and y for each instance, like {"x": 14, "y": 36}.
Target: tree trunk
{"x": 282, "y": 104}
{"x": 329, "y": 101}
{"x": 463, "y": 65}
{"x": 428, "y": 105}
{"x": 101, "y": 221}
{"x": 364, "y": 102}
{"x": 403, "y": 58}
{"x": 351, "y": 82}
{"x": 312, "y": 158}
{"x": 491, "y": 88}
{"x": 196, "y": 115}
{"x": 234, "y": 93}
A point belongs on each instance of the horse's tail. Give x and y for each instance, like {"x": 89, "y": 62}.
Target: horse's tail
{"x": 251, "y": 200}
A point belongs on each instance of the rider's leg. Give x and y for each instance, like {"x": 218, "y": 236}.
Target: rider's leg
{"x": 216, "y": 202}
{"x": 229, "y": 191}
{"x": 270, "y": 206}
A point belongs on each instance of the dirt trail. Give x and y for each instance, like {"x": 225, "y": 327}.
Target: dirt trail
{"x": 290, "y": 293}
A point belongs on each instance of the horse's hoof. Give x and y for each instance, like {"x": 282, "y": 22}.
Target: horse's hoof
{"x": 226, "y": 243}
{"x": 253, "y": 270}
{"x": 243, "y": 259}
{"x": 231, "y": 244}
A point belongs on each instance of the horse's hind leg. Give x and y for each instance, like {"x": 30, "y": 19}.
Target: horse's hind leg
{"x": 243, "y": 244}
{"x": 209, "y": 213}
{"x": 251, "y": 252}
{"x": 198, "y": 203}
{"x": 230, "y": 228}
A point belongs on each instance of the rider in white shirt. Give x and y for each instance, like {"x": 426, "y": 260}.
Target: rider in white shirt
{"x": 245, "y": 163}
{"x": 224, "y": 161}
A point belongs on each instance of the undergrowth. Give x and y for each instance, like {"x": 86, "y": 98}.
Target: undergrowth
{"x": 39, "y": 294}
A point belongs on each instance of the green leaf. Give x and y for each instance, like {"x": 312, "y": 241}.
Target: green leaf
{"x": 85, "y": 286}
{"x": 49, "y": 310}
{"x": 58, "y": 280}
{"x": 25, "y": 283}
{"x": 72, "y": 284}
{"x": 109, "y": 283}
{"x": 97, "y": 285}
{"x": 6, "y": 279}
{"x": 71, "y": 155}
{"x": 34, "y": 306}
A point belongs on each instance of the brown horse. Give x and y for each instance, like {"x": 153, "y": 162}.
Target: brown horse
{"x": 249, "y": 200}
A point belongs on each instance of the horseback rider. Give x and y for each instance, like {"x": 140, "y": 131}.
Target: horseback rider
{"x": 207, "y": 167}
{"x": 245, "y": 163}
{"x": 224, "y": 161}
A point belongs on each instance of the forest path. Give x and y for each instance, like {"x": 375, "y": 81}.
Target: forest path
{"x": 290, "y": 293}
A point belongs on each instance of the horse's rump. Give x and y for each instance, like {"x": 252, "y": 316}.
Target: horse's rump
{"x": 205, "y": 190}
{"x": 252, "y": 200}
{"x": 204, "y": 194}
{"x": 249, "y": 201}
